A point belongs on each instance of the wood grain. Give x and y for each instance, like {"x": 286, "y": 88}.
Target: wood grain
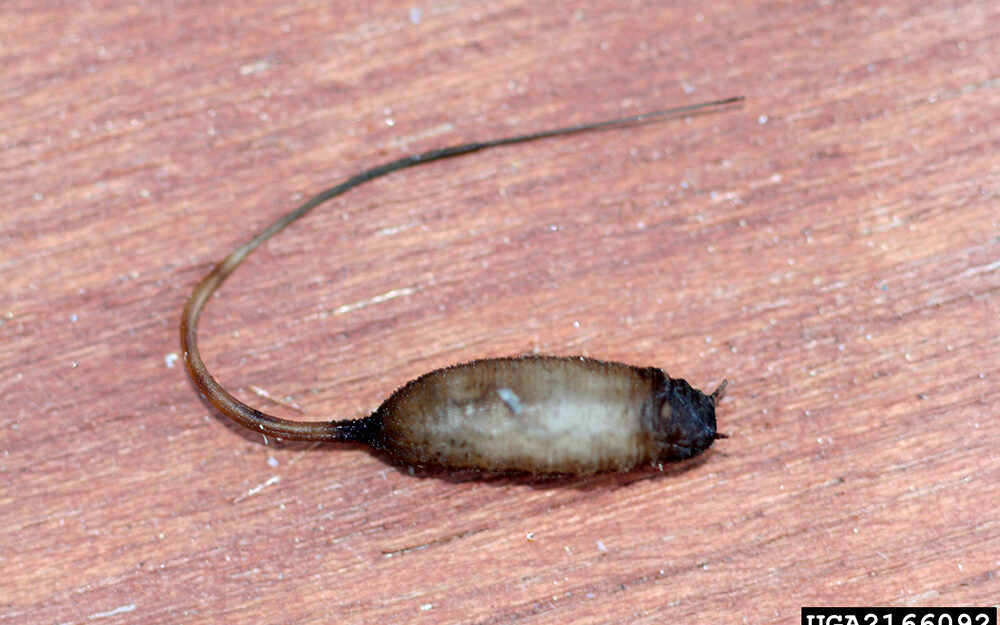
{"x": 832, "y": 247}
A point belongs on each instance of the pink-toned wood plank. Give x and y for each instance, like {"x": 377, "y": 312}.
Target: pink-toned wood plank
{"x": 831, "y": 247}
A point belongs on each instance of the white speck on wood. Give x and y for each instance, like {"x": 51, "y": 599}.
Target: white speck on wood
{"x": 256, "y": 66}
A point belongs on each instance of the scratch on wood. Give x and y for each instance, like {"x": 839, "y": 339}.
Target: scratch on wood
{"x": 382, "y": 297}
{"x": 277, "y": 400}
{"x": 122, "y": 609}
{"x": 274, "y": 479}
{"x": 432, "y": 543}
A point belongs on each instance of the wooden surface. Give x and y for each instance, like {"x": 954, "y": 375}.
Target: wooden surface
{"x": 832, "y": 247}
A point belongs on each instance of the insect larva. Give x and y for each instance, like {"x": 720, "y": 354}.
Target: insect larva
{"x": 538, "y": 414}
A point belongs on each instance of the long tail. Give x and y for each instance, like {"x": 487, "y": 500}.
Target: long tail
{"x": 350, "y": 430}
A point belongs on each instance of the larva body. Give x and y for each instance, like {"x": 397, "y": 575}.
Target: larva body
{"x": 537, "y": 414}
{"x": 544, "y": 415}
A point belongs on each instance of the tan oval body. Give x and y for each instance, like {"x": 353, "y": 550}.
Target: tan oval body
{"x": 538, "y": 414}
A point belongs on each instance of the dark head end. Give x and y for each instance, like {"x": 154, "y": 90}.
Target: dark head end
{"x": 688, "y": 426}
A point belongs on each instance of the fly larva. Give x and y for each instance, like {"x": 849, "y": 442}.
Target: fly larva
{"x": 538, "y": 414}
